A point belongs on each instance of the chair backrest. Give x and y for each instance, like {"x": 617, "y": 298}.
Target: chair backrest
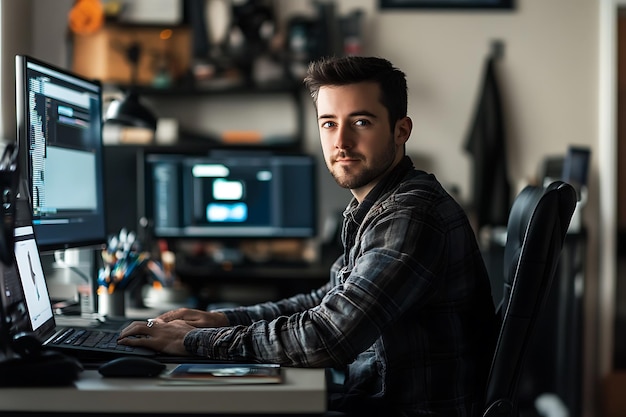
{"x": 536, "y": 230}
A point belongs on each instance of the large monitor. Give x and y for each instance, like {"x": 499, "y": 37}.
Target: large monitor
{"x": 234, "y": 194}
{"x": 59, "y": 130}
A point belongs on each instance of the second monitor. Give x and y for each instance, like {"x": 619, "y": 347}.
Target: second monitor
{"x": 59, "y": 130}
{"x": 231, "y": 195}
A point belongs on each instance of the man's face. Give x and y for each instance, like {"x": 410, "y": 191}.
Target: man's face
{"x": 358, "y": 144}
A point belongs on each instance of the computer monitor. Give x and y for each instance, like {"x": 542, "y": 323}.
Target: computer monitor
{"x": 59, "y": 130}
{"x": 236, "y": 195}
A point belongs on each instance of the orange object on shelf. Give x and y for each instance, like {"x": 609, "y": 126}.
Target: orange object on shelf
{"x": 86, "y": 16}
{"x": 242, "y": 136}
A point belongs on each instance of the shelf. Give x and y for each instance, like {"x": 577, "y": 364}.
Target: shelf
{"x": 281, "y": 87}
{"x": 288, "y": 89}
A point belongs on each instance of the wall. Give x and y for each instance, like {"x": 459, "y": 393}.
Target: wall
{"x": 14, "y": 39}
{"x": 548, "y": 76}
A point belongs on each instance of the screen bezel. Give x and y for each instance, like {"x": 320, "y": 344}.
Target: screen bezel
{"x": 60, "y": 239}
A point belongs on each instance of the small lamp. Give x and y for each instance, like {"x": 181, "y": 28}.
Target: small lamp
{"x": 129, "y": 111}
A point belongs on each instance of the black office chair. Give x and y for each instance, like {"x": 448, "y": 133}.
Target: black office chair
{"x": 536, "y": 230}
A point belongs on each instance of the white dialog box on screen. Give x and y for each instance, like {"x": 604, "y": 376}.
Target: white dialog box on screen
{"x": 227, "y": 190}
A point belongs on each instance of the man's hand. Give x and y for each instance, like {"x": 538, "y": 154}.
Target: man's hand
{"x": 157, "y": 335}
{"x": 195, "y": 318}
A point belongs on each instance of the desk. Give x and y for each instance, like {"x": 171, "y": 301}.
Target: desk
{"x": 303, "y": 392}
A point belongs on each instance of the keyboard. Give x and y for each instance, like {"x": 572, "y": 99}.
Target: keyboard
{"x": 92, "y": 341}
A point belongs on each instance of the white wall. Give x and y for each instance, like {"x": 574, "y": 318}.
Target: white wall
{"x": 548, "y": 73}
{"x": 547, "y": 76}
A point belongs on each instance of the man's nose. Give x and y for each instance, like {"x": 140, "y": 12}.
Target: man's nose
{"x": 344, "y": 139}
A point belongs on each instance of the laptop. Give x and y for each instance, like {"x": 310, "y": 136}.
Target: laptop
{"x": 28, "y": 305}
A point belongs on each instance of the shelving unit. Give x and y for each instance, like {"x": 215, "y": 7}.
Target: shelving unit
{"x": 205, "y": 110}
{"x": 290, "y": 89}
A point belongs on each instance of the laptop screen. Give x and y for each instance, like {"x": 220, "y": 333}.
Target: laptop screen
{"x": 25, "y": 297}
{"x": 31, "y": 276}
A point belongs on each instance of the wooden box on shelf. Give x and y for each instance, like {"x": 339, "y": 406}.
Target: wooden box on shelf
{"x": 103, "y": 55}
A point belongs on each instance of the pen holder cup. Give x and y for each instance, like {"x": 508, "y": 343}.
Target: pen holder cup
{"x": 113, "y": 304}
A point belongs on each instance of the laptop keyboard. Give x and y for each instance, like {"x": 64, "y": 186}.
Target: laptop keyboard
{"x": 89, "y": 338}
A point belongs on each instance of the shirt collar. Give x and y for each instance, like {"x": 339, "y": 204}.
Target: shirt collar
{"x": 358, "y": 211}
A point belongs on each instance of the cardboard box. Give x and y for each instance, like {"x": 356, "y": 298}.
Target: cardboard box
{"x": 103, "y": 55}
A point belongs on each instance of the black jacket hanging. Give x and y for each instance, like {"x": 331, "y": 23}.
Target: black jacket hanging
{"x": 486, "y": 143}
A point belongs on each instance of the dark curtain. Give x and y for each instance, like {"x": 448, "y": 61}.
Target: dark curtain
{"x": 486, "y": 141}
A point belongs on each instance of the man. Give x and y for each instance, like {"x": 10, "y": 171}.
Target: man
{"x": 407, "y": 313}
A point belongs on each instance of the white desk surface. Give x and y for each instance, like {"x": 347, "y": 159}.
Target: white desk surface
{"x": 303, "y": 391}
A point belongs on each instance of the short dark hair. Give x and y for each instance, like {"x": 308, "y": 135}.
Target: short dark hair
{"x": 337, "y": 71}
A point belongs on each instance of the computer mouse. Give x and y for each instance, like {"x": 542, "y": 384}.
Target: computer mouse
{"x": 131, "y": 366}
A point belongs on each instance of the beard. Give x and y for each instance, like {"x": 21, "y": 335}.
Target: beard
{"x": 367, "y": 171}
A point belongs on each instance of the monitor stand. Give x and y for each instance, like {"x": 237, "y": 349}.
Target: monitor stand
{"x": 72, "y": 274}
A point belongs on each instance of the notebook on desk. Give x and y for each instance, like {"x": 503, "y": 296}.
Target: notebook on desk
{"x": 27, "y": 301}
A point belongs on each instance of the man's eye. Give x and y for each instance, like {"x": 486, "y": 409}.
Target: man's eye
{"x": 327, "y": 124}
{"x": 361, "y": 122}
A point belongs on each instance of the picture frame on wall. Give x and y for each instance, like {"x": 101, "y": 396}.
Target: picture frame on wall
{"x": 446, "y": 4}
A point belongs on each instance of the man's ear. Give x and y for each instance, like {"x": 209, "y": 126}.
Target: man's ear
{"x": 402, "y": 130}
